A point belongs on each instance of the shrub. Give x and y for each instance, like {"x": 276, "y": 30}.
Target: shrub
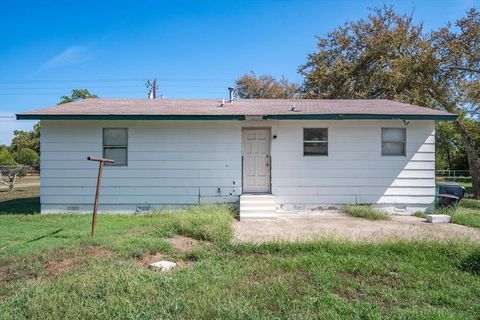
{"x": 27, "y": 157}
{"x": 420, "y": 214}
{"x": 365, "y": 211}
{"x": 472, "y": 263}
{"x": 10, "y": 174}
{"x": 6, "y": 157}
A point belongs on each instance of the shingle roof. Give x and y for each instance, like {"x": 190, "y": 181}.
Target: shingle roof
{"x": 238, "y": 109}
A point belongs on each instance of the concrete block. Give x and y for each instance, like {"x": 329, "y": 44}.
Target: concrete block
{"x": 438, "y": 218}
{"x": 163, "y": 265}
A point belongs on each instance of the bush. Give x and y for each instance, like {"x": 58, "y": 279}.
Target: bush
{"x": 27, "y": 157}
{"x": 472, "y": 263}
{"x": 10, "y": 174}
{"x": 364, "y": 211}
{"x": 6, "y": 157}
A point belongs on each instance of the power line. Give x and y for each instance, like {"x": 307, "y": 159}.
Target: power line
{"x": 113, "y": 80}
{"x": 122, "y": 86}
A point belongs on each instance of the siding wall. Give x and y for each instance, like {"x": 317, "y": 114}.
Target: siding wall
{"x": 354, "y": 170}
{"x": 182, "y": 163}
{"x": 169, "y": 164}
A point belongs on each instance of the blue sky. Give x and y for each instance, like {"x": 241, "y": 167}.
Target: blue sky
{"x": 195, "y": 49}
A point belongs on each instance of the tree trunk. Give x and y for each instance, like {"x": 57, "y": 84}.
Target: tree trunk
{"x": 473, "y": 159}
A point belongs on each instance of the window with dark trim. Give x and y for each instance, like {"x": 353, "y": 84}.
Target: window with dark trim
{"x": 115, "y": 146}
{"x": 315, "y": 142}
{"x": 394, "y": 141}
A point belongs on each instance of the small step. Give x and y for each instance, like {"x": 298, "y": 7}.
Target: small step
{"x": 257, "y": 207}
{"x": 252, "y": 204}
{"x": 438, "y": 218}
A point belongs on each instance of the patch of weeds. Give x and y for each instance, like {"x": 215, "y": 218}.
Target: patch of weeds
{"x": 467, "y": 213}
{"x": 470, "y": 203}
{"x": 366, "y": 212}
{"x": 420, "y": 214}
{"x": 211, "y": 223}
{"x": 472, "y": 263}
{"x": 137, "y": 248}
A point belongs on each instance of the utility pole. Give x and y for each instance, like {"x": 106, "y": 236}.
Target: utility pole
{"x": 152, "y": 88}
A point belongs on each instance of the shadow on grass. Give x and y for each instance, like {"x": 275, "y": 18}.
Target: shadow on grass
{"x": 30, "y": 205}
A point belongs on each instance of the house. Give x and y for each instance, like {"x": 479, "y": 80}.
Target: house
{"x": 274, "y": 155}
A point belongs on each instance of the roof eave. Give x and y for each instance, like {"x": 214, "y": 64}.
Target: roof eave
{"x": 336, "y": 116}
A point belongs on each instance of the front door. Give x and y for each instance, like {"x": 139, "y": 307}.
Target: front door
{"x": 256, "y": 160}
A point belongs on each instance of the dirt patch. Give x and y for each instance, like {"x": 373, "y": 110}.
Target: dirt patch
{"x": 56, "y": 267}
{"x": 183, "y": 244}
{"x": 5, "y": 276}
{"x": 347, "y": 293}
{"x": 145, "y": 261}
{"x": 179, "y": 243}
{"x": 62, "y": 260}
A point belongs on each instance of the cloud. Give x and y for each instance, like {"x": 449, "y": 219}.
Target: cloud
{"x": 70, "y": 56}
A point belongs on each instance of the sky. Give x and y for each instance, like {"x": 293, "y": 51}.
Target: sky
{"x": 195, "y": 49}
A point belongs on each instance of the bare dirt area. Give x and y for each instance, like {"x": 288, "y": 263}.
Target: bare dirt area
{"x": 179, "y": 243}
{"x": 56, "y": 267}
{"x": 183, "y": 244}
{"x": 337, "y": 225}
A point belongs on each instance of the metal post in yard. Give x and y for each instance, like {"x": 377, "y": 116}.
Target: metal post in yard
{"x": 101, "y": 162}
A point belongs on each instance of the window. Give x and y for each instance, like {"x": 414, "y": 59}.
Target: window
{"x": 315, "y": 142}
{"x": 394, "y": 141}
{"x": 115, "y": 145}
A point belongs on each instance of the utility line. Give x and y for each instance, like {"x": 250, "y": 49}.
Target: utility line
{"x": 113, "y": 80}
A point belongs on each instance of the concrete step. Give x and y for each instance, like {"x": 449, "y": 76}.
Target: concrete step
{"x": 257, "y": 198}
{"x": 259, "y": 217}
{"x": 250, "y": 204}
{"x": 257, "y": 207}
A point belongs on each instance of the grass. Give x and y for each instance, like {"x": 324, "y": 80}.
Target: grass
{"x": 466, "y": 182}
{"x": 19, "y": 201}
{"x": 467, "y": 213}
{"x": 50, "y": 268}
{"x": 365, "y": 211}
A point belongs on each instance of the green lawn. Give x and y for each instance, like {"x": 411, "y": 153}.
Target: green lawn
{"x": 23, "y": 200}
{"x": 465, "y": 182}
{"x": 468, "y": 213}
{"x": 50, "y": 268}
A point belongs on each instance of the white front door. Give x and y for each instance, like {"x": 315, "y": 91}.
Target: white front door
{"x": 256, "y": 160}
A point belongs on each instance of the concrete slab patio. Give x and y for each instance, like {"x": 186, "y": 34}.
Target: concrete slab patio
{"x": 337, "y": 225}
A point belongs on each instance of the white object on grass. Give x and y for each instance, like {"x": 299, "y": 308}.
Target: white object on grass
{"x": 438, "y": 218}
{"x": 163, "y": 265}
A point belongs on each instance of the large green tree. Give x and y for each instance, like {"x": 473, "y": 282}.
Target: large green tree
{"x": 26, "y": 139}
{"x": 388, "y": 56}
{"x": 249, "y": 86}
{"x": 77, "y": 94}
{"x": 457, "y": 50}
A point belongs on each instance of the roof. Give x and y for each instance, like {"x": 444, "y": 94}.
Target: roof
{"x": 213, "y": 109}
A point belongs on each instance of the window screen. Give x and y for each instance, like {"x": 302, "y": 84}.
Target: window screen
{"x": 115, "y": 145}
{"x": 394, "y": 141}
{"x": 315, "y": 141}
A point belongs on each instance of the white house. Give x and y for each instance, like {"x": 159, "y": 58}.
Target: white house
{"x": 274, "y": 155}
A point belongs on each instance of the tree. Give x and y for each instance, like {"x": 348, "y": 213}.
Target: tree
{"x": 10, "y": 174}
{"x": 77, "y": 94}
{"x": 249, "y": 86}
{"x": 26, "y": 139}
{"x": 6, "y": 157}
{"x": 458, "y": 53}
{"x": 27, "y": 157}
{"x": 388, "y": 56}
